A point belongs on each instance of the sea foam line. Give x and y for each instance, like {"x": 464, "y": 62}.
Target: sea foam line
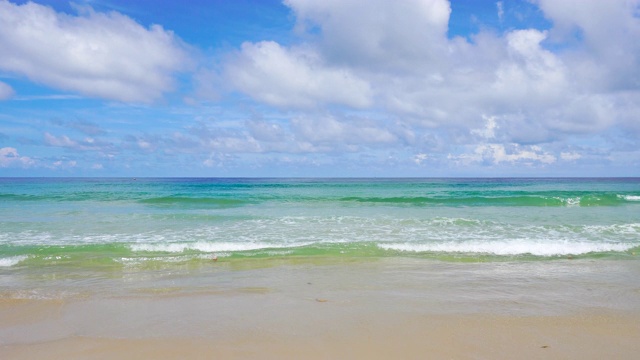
{"x": 210, "y": 247}
{"x": 505, "y": 248}
{"x": 630, "y": 197}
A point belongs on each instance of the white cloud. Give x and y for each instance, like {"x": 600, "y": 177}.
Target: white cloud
{"x": 216, "y": 160}
{"x": 517, "y": 154}
{"x": 570, "y": 156}
{"x": 608, "y": 53}
{"x": 363, "y": 78}
{"x": 48, "y": 97}
{"x": 265, "y": 131}
{"x": 500, "y": 153}
{"x": 531, "y": 75}
{"x": 349, "y": 57}
{"x": 489, "y": 131}
{"x": 336, "y": 133}
{"x": 376, "y": 34}
{"x": 145, "y": 145}
{"x": 295, "y": 77}
{"x": 234, "y": 144}
{"x": 9, "y": 157}
{"x": 63, "y": 164}
{"x": 6, "y": 91}
{"x": 491, "y": 152}
{"x": 63, "y": 141}
{"x": 396, "y": 60}
{"x": 420, "y": 158}
{"x": 105, "y": 55}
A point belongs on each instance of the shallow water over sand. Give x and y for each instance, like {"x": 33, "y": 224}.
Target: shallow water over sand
{"x": 281, "y": 295}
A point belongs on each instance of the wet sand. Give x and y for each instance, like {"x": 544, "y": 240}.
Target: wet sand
{"x": 437, "y": 337}
{"x": 396, "y": 308}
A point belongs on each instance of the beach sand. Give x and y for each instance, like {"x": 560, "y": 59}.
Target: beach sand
{"x": 432, "y": 337}
{"x": 396, "y": 308}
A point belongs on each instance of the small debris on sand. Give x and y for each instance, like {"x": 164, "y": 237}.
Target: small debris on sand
{"x": 322, "y": 300}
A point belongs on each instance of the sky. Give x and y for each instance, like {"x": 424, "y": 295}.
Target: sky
{"x": 331, "y": 88}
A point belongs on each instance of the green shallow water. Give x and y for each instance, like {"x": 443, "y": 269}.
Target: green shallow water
{"x": 117, "y": 257}
{"x": 119, "y": 222}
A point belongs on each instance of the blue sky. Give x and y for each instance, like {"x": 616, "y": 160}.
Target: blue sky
{"x": 320, "y": 88}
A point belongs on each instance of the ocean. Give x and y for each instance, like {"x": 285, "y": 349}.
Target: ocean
{"x": 123, "y": 249}
{"x": 114, "y": 223}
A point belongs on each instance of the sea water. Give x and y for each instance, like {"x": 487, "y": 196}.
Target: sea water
{"x": 119, "y": 222}
{"x": 520, "y": 246}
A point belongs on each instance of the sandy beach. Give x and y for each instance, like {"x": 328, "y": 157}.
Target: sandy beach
{"x": 589, "y": 336}
{"x": 357, "y": 309}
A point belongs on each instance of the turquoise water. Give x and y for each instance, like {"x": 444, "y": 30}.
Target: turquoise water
{"x": 116, "y": 223}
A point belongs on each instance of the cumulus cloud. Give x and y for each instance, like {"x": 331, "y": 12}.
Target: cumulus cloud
{"x": 398, "y": 60}
{"x": 295, "y": 77}
{"x": 608, "y": 30}
{"x": 531, "y": 75}
{"x": 489, "y": 131}
{"x": 489, "y": 151}
{"x": 376, "y": 34}
{"x": 6, "y": 91}
{"x": 499, "y": 153}
{"x": 377, "y": 78}
{"x": 9, "y": 157}
{"x": 104, "y": 55}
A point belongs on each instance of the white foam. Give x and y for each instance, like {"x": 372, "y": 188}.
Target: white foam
{"x": 630, "y": 197}
{"x": 165, "y": 259}
{"x": 516, "y": 247}
{"x": 39, "y": 294}
{"x": 207, "y": 247}
{"x": 574, "y": 201}
{"x": 11, "y": 261}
